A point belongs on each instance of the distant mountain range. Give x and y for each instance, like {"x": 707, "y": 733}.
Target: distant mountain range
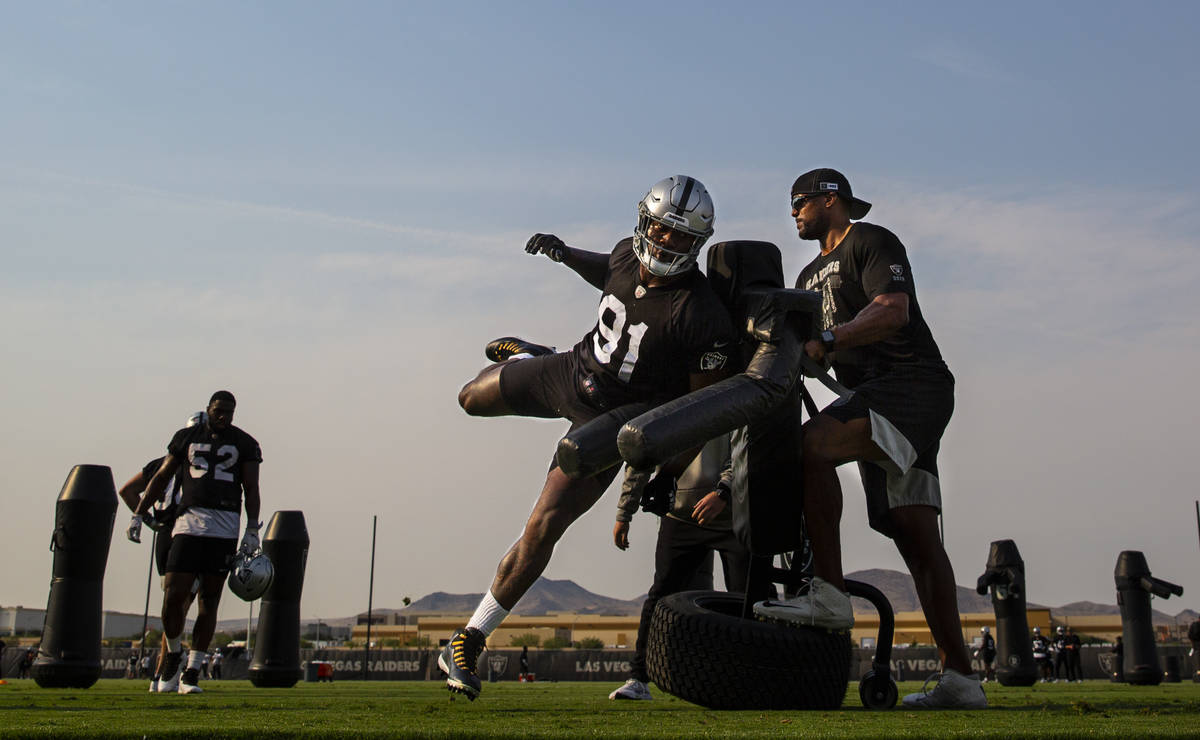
{"x": 547, "y": 596}
{"x": 544, "y": 597}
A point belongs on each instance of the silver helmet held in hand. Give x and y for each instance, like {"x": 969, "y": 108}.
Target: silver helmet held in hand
{"x": 682, "y": 204}
{"x": 251, "y": 575}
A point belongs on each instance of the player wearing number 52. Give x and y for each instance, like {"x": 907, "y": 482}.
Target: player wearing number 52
{"x": 660, "y": 332}
{"x": 220, "y": 464}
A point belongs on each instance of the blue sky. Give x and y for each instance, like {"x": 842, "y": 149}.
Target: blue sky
{"x": 322, "y": 208}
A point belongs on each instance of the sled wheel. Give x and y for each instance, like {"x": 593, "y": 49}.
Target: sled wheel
{"x": 701, "y": 650}
{"x": 877, "y": 691}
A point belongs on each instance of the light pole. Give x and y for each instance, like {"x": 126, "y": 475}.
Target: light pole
{"x": 370, "y": 598}
{"x": 146, "y": 611}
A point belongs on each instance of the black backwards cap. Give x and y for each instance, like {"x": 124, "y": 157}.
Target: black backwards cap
{"x": 826, "y": 180}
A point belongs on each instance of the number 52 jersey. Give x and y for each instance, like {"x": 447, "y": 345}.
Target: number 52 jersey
{"x": 212, "y": 473}
{"x": 646, "y": 340}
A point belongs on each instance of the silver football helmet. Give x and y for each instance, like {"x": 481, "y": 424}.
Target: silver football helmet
{"x": 251, "y": 575}
{"x": 679, "y": 203}
{"x": 197, "y": 418}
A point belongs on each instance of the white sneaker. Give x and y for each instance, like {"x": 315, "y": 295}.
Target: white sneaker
{"x": 154, "y": 686}
{"x": 168, "y": 682}
{"x": 190, "y": 682}
{"x": 824, "y": 606}
{"x": 633, "y": 689}
{"x": 953, "y": 691}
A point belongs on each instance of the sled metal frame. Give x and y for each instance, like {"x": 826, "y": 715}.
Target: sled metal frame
{"x": 797, "y": 577}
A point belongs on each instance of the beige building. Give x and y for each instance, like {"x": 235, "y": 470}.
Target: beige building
{"x": 621, "y": 631}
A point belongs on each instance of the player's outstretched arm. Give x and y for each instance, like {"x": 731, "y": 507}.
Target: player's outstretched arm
{"x": 132, "y": 490}
{"x": 157, "y": 485}
{"x": 591, "y": 266}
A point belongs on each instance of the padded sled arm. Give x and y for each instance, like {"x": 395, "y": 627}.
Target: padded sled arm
{"x": 592, "y": 447}
{"x": 990, "y": 576}
{"x": 1160, "y": 588}
{"x": 697, "y": 417}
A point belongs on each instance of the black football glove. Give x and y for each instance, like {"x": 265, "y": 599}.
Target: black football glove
{"x": 157, "y": 519}
{"x": 547, "y": 244}
{"x": 659, "y": 494}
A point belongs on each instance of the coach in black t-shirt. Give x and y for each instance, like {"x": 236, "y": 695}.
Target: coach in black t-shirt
{"x": 903, "y": 394}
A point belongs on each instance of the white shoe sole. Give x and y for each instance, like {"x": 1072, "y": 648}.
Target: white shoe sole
{"x": 784, "y": 615}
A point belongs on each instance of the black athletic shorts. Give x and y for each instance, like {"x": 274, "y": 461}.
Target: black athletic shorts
{"x": 162, "y": 548}
{"x": 909, "y": 411}
{"x": 549, "y": 387}
{"x": 207, "y": 555}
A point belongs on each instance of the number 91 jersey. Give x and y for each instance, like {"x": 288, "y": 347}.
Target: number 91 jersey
{"x": 647, "y": 341}
{"x": 212, "y": 466}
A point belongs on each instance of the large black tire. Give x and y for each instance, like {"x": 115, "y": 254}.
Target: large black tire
{"x": 702, "y": 651}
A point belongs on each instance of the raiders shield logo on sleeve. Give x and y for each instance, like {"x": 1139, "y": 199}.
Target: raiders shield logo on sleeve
{"x": 713, "y": 361}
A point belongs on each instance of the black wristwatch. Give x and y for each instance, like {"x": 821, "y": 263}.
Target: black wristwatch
{"x": 827, "y": 340}
{"x": 723, "y": 491}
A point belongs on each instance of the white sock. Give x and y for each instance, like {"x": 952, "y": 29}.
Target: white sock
{"x": 175, "y": 643}
{"x": 488, "y": 615}
{"x": 521, "y": 356}
{"x": 195, "y": 658}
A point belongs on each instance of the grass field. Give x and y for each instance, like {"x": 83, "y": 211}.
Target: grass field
{"x": 350, "y": 709}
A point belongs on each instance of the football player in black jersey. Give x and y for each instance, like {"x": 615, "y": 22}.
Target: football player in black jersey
{"x": 162, "y": 521}
{"x": 661, "y": 331}
{"x": 903, "y": 396}
{"x": 221, "y": 463}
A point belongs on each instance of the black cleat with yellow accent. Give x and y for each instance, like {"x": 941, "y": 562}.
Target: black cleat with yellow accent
{"x": 458, "y": 660}
{"x": 499, "y": 350}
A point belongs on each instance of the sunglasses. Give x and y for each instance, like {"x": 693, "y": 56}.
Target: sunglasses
{"x": 799, "y": 200}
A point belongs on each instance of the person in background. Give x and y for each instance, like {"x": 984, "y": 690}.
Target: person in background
{"x": 1194, "y": 637}
{"x": 1118, "y": 652}
{"x": 987, "y": 654}
{"x": 1074, "y": 657}
{"x": 1041, "y": 655}
{"x": 161, "y": 519}
{"x": 222, "y": 464}
{"x": 696, "y": 523}
{"x": 1062, "y": 661}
